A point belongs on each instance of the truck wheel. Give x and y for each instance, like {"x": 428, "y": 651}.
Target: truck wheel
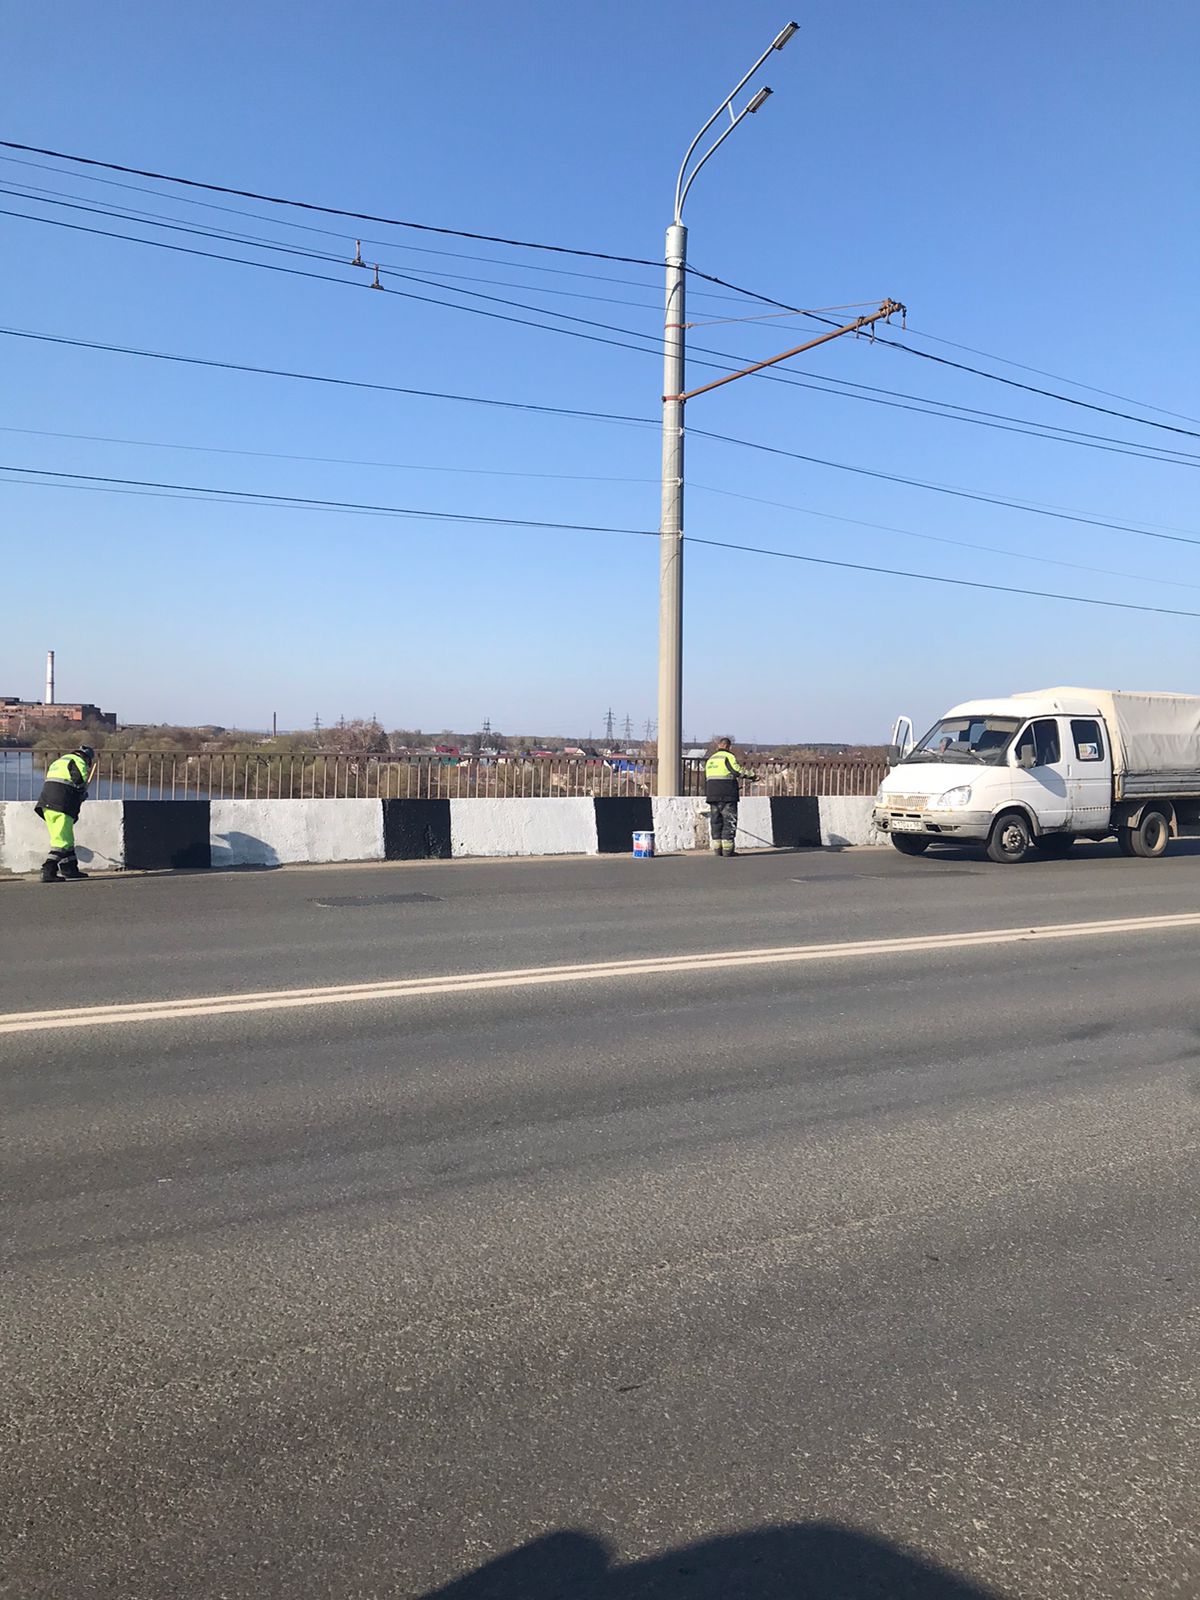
{"x": 1125, "y": 842}
{"x": 909, "y": 845}
{"x": 1010, "y": 839}
{"x": 1151, "y": 836}
{"x": 1054, "y": 844}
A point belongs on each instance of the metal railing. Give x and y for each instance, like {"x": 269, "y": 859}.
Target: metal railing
{"x": 245, "y": 775}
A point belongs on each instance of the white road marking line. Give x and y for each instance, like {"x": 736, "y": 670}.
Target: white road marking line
{"x": 582, "y": 972}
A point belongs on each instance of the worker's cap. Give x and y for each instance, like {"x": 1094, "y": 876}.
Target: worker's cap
{"x": 88, "y": 754}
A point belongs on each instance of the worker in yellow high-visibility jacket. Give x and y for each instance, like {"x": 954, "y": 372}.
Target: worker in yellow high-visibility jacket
{"x": 58, "y": 805}
{"x": 722, "y": 790}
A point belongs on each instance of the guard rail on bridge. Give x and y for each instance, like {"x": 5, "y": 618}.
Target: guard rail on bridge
{"x": 205, "y": 775}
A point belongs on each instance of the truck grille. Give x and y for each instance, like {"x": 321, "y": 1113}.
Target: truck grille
{"x": 905, "y": 802}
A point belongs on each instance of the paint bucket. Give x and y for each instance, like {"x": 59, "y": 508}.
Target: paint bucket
{"x": 643, "y": 846}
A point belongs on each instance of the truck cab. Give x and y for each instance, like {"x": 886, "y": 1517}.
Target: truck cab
{"x": 1012, "y": 774}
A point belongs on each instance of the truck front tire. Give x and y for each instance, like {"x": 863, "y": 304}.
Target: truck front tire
{"x": 1010, "y": 840}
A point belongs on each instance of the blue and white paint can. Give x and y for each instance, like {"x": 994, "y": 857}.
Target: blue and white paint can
{"x": 643, "y": 846}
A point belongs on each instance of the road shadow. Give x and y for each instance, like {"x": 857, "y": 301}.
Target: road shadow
{"x": 793, "y": 1561}
{"x": 1083, "y": 851}
{"x": 242, "y": 850}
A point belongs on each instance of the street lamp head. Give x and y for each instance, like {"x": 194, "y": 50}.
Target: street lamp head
{"x": 785, "y": 35}
{"x": 760, "y": 100}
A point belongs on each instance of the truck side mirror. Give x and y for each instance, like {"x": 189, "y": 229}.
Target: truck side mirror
{"x": 892, "y": 753}
{"x": 1026, "y": 760}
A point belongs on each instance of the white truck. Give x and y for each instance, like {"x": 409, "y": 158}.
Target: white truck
{"x": 1038, "y": 770}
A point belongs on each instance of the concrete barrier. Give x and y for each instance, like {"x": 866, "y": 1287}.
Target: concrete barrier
{"x": 267, "y": 833}
{"x": 755, "y": 830}
{"x": 846, "y": 820}
{"x": 150, "y": 835}
{"x": 523, "y": 827}
{"x": 99, "y": 836}
{"x": 618, "y": 818}
{"x": 680, "y": 823}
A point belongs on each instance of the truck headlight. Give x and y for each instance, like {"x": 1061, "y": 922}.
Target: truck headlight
{"x": 880, "y": 798}
{"x": 953, "y": 799}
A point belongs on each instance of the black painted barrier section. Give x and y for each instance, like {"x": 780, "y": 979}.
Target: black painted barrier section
{"x": 618, "y": 818}
{"x": 795, "y": 821}
{"x": 416, "y": 830}
{"x": 166, "y": 833}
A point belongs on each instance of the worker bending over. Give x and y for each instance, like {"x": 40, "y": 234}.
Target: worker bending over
{"x": 63, "y": 793}
{"x": 722, "y": 790}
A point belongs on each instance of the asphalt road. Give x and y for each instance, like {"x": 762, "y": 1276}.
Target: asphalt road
{"x": 861, "y": 1277}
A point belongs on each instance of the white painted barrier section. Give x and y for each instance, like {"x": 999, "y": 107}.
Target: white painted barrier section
{"x": 680, "y": 823}
{"x": 99, "y": 836}
{"x": 523, "y": 827}
{"x": 266, "y": 833}
{"x": 754, "y": 824}
{"x": 846, "y": 820}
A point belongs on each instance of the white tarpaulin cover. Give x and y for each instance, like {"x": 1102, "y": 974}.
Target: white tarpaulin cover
{"x": 1155, "y": 737}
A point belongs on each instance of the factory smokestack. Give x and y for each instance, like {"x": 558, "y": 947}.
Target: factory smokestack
{"x": 49, "y": 677}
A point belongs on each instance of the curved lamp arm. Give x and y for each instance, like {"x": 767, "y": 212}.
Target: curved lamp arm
{"x": 682, "y": 187}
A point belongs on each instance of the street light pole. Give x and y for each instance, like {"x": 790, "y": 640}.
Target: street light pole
{"x": 670, "y": 543}
{"x": 670, "y": 583}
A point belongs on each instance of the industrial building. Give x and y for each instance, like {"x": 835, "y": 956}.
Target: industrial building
{"x": 19, "y": 716}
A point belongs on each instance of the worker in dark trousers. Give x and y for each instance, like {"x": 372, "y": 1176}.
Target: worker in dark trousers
{"x": 63, "y": 793}
{"x": 722, "y": 790}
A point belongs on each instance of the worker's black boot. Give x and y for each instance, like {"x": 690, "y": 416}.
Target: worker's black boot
{"x": 70, "y": 870}
{"x": 50, "y": 872}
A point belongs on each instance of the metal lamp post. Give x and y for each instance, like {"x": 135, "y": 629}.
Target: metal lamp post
{"x": 670, "y": 613}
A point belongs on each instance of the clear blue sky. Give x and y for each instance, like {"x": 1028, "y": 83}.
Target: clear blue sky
{"x": 1023, "y": 176}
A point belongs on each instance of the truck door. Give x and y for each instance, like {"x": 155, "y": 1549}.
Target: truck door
{"x": 1089, "y": 775}
{"x": 1040, "y": 774}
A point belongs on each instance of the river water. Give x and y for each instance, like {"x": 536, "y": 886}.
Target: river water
{"x": 20, "y": 780}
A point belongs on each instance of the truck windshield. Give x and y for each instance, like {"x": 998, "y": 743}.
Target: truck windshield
{"x": 978, "y": 739}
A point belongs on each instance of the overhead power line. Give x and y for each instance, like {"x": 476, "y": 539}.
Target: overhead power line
{"x": 44, "y": 476}
{"x": 227, "y": 235}
{"x": 362, "y": 216}
{"x": 341, "y": 234}
{"x": 927, "y": 577}
{"x": 1065, "y": 514}
{"x": 320, "y": 377}
{"x": 1040, "y": 372}
{"x": 329, "y": 461}
{"x": 921, "y": 404}
{"x": 959, "y": 366}
{"x": 329, "y": 211}
{"x": 939, "y": 488}
{"x": 938, "y": 538}
{"x": 582, "y": 477}
{"x": 324, "y": 277}
{"x": 313, "y": 503}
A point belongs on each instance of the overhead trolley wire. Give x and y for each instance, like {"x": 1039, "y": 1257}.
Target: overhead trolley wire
{"x": 329, "y": 211}
{"x": 527, "y": 244}
{"x": 959, "y": 366}
{"x": 324, "y": 277}
{"x": 136, "y": 214}
{"x": 872, "y": 395}
{"x": 1040, "y": 372}
{"x": 341, "y": 233}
